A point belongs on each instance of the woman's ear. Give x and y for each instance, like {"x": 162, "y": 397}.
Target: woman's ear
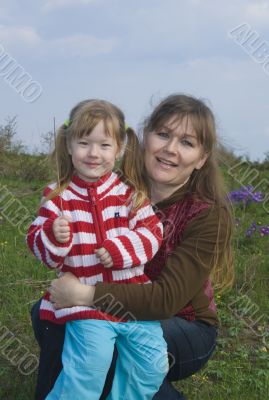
{"x": 202, "y": 161}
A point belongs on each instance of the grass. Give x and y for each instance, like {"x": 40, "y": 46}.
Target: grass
{"x": 240, "y": 365}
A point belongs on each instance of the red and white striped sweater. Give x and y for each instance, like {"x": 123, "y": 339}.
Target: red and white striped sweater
{"x": 101, "y": 217}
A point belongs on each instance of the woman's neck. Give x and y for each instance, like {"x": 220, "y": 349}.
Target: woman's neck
{"x": 159, "y": 191}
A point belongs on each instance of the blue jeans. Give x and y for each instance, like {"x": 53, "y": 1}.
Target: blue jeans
{"x": 141, "y": 365}
{"x": 190, "y": 345}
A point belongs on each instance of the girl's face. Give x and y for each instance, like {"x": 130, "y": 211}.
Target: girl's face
{"x": 171, "y": 154}
{"x": 94, "y": 155}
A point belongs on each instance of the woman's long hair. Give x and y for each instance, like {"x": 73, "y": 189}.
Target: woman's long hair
{"x": 206, "y": 183}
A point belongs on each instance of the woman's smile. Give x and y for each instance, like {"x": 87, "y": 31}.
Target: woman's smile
{"x": 166, "y": 163}
{"x": 172, "y": 153}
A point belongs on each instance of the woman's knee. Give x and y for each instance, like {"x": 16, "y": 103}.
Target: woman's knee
{"x": 190, "y": 345}
{"x": 47, "y": 334}
{"x": 36, "y": 321}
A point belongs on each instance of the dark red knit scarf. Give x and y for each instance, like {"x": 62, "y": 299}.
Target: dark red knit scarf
{"x": 175, "y": 218}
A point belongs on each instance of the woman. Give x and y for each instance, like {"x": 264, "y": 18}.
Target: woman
{"x": 186, "y": 188}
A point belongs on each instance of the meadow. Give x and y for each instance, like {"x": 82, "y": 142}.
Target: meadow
{"x": 239, "y": 368}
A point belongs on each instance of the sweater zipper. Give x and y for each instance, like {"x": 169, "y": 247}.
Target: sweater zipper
{"x": 98, "y": 223}
{"x": 96, "y": 219}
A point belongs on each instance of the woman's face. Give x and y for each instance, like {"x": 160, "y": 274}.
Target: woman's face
{"x": 172, "y": 152}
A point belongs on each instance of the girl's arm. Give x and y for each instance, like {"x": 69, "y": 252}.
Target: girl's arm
{"x": 41, "y": 238}
{"x": 140, "y": 243}
{"x": 183, "y": 276}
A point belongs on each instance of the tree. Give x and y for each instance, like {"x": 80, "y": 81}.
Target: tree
{"x": 7, "y": 134}
{"x": 47, "y": 140}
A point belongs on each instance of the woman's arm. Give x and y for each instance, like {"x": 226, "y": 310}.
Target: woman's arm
{"x": 68, "y": 291}
{"x": 184, "y": 274}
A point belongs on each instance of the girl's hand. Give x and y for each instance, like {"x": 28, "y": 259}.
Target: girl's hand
{"x": 104, "y": 257}
{"x": 67, "y": 291}
{"x": 61, "y": 229}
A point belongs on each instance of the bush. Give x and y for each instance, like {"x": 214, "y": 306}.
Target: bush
{"x": 15, "y": 162}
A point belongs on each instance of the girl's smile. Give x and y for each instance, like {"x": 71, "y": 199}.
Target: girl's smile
{"x": 93, "y": 155}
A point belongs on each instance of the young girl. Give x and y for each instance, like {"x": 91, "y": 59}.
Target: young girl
{"x": 100, "y": 226}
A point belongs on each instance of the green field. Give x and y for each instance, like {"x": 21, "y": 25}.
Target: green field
{"x": 239, "y": 368}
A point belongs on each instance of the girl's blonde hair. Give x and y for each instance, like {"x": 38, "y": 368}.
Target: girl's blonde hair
{"x": 206, "y": 183}
{"x": 82, "y": 120}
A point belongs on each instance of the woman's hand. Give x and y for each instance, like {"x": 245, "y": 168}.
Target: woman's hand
{"x": 67, "y": 291}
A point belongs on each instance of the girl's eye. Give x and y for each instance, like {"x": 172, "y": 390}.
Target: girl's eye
{"x": 83, "y": 143}
{"x": 106, "y": 145}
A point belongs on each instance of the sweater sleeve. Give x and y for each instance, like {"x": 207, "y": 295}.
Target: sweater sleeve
{"x": 40, "y": 237}
{"x": 140, "y": 243}
{"x": 186, "y": 270}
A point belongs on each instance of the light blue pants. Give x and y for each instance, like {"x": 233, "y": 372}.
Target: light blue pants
{"x": 142, "y": 361}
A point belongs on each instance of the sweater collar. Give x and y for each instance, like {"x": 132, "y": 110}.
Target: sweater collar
{"x": 174, "y": 197}
{"x": 81, "y": 187}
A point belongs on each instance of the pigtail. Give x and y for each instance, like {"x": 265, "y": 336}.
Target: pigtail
{"x": 132, "y": 168}
{"x": 61, "y": 162}
{"x": 60, "y": 156}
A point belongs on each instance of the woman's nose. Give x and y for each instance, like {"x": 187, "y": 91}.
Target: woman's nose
{"x": 171, "y": 146}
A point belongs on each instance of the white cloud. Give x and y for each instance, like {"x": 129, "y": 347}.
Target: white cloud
{"x": 7, "y": 10}
{"x": 18, "y": 35}
{"x": 5, "y": 15}
{"x": 257, "y": 11}
{"x": 113, "y": 48}
{"x": 266, "y": 130}
{"x": 82, "y": 46}
{"x": 54, "y": 4}
{"x": 17, "y": 39}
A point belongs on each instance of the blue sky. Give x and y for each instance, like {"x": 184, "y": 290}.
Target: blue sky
{"x": 134, "y": 53}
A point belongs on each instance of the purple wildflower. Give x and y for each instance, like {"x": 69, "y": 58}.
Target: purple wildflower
{"x": 245, "y": 195}
{"x": 261, "y": 230}
{"x": 249, "y": 233}
{"x": 251, "y": 230}
{"x": 264, "y": 230}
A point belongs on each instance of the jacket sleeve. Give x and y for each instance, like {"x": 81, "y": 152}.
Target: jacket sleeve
{"x": 40, "y": 237}
{"x": 140, "y": 243}
{"x": 186, "y": 270}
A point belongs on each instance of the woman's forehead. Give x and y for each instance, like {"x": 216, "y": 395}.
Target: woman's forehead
{"x": 179, "y": 123}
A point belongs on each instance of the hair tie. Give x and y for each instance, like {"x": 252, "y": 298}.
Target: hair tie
{"x": 126, "y": 127}
{"x": 67, "y": 123}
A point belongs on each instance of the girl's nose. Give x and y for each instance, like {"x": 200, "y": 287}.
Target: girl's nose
{"x": 92, "y": 150}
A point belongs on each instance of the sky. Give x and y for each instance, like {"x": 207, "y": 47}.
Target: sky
{"x": 55, "y": 53}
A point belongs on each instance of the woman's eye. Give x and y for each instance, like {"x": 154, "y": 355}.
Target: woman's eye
{"x": 187, "y": 142}
{"x": 163, "y": 134}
